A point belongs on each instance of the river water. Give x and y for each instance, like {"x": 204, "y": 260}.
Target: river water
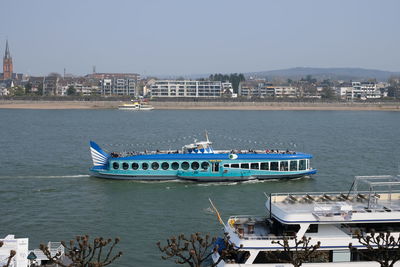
{"x": 47, "y": 194}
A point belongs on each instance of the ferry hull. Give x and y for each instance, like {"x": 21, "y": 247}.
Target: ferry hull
{"x": 131, "y": 177}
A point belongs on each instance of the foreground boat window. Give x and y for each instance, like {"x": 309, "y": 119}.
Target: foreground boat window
{"x": 155, "y": 165}
{"x": 115, "y": 165}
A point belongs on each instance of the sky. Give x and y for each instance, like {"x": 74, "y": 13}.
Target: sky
{"x": 186, "y": 37}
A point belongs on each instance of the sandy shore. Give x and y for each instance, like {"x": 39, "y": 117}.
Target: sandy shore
{"x": 22, "y": 104}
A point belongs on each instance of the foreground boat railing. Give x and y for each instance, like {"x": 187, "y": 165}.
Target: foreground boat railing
{"x": 251, "y": 227}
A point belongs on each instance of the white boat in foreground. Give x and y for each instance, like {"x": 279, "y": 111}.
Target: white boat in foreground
{"x": 136, "y": 106}
{"x": 333, "y": 219}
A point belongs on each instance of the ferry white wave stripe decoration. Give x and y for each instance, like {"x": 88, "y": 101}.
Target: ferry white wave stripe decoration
{"x": 200, "y": 162}
{"x": 98, "y": 158}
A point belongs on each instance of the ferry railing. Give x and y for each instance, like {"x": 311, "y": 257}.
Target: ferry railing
{"x": 361, "y": 201}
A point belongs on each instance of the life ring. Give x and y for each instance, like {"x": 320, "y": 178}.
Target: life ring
{"x": 233, "y": 156}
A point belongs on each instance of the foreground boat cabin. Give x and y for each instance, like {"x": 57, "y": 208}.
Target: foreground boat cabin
{"x": 333, "y": 219}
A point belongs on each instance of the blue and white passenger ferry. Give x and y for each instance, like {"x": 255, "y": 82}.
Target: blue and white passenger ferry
{"x": 200, "y": 162}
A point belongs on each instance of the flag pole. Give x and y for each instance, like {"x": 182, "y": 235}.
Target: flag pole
{"x": 216, "y": 212}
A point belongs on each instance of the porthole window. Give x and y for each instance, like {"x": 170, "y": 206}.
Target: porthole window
{"x": 125, "y": 166}
{"x": 195, "y": 165}
{"x": 135, "y": 166}
{"x": 175, "y": 165}
{"x": 205, "y": 165}
{"x": 115, "y": 166}
{"x": 185, "y": 165}
{"x": 155, "y": 165}
{"x": 165, "y": 165}
{"x": 145, "y": 166}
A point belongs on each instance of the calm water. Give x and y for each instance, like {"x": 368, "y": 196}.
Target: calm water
{"x": 46, "y": 193}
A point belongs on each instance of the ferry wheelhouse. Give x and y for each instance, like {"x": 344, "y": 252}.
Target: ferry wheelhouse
{"x": 333, "y": 219}
{"x": 200, "y": 162}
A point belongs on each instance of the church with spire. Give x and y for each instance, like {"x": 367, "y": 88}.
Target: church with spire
{"x": 7, "y": 64}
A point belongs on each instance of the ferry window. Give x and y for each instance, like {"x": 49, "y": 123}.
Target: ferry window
{"x": 155, "y": 165}
{"x": 226, "y": 165}
{"x": 235, "y": 165}
{"x": 185, "y": 165}
{"x": 284, "y": 166}
{"x": 125, "y": 166}
{"x": 205, "y": 165}
{"x": 302, "y": 165}
{"x": 145, "y": 166}
{"x": 244, "y": 166}
{"x": 175, "y": 165}
{"x": 254, "y": 166}
{"x": 195, "y": 165}
{"x": 264, "y": 166}
{"x": 135, "y": 166}
{"x": 293, "y": 165}
{"x": 165, "y": 165}
{"x": 115, "y": 166}
{"x": 274, "y": 166}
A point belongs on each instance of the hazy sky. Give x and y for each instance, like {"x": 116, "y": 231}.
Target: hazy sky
{"x": 181, "y": 37}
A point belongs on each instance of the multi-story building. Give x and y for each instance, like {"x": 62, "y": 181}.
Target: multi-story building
{"x": 185, "y": 88}
{"x": 50, "y": 85}
{"x": 265, "y": 89}
{"x": 118, "y": 86}
{"x": 83, "y": 86}
{"x": 363, "y": 91}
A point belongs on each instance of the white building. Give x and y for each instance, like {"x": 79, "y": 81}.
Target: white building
{"x": 20, "y": 246}
{"x": 118, "y": 86}
{"x": 364, "y": 91}
{"x": 185, "y": 88}
{"x": 264, "y": 89}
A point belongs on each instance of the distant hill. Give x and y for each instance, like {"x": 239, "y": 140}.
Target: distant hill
{"x": 325, "y": 73}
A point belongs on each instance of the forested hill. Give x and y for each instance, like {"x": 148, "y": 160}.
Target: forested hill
{"x": 325, "y": 73}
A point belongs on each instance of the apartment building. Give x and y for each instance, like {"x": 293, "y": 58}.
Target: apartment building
{"x": 185, "y": 88}
{"x": 118, "y": 86}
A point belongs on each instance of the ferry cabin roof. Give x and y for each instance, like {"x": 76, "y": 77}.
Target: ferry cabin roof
{"x": 216, "y": 157}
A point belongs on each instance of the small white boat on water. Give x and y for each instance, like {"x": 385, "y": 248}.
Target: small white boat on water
{"x": 136, "y": 105}
{"x": 333, "y": 219}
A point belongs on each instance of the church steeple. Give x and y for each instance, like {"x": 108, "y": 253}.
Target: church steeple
{"x": 7, "y": 54}
{"x": 7, "y": 64}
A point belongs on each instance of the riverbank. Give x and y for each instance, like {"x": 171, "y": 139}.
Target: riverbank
{"x": 28, "y": 104}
